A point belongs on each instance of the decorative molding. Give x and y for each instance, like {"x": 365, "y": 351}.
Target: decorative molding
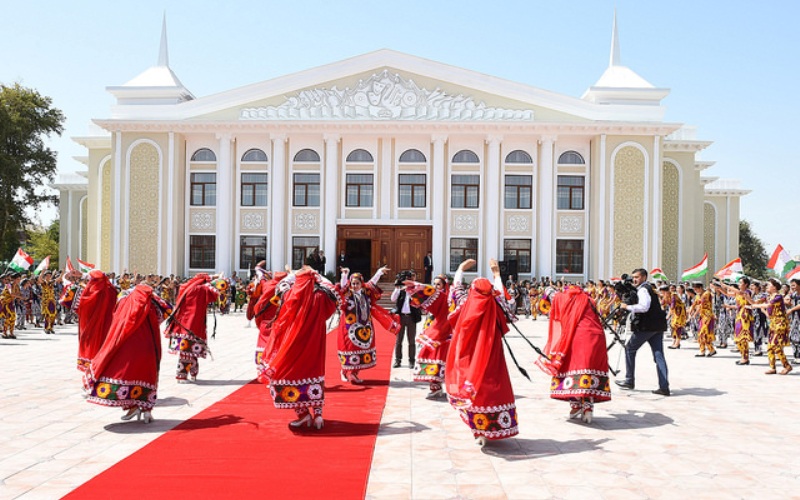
{"x": 572, "y": 224}
{"x": 383, "y": 96}
{"x": 144, "y": 208}
{"x": 306, "y": 222}
{"x": 629, "y": 208}
{"x": 517, "y": 224}
{"x": 254, "y": 221}
{"x": 466, "y": 222}
{"x": 202, "y": 220}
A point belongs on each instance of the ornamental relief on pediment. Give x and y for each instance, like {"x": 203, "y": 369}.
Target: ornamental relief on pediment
{"x": 383, "y": 96}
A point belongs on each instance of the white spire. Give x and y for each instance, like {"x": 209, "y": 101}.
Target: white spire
{"x": 614, "y": 60}
{"x": 163, "y": 52}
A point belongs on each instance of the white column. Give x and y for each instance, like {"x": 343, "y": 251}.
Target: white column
{"x": 331, "y": 183}
{"x": 655, "y": 238}
{"x": 728, "y": 230}
{"x": 493, "y": 246}
{"x": 170, "y": 212}
{"x": 116, "y": 224}
{"x": 224, "y": 238}
{"x": 438, "y": 190}
{"x": 546, "y": 207}
{"x": 386, "y": 173}
{"x": 70, "y": 225}
{"x": 281, "y": 192}
{"x": 601, "y": 214}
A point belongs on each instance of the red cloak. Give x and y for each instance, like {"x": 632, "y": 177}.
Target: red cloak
{"x": 95, "y": 311}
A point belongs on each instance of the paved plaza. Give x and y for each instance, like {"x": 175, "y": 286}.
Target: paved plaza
{"x": 727, "y": 431}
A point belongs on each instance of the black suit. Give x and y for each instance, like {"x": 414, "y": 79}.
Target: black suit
{"x": 408, "y": 328}
{"x": 428, "y": 264}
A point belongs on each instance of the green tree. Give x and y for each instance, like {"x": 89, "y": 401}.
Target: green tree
{"x": 26, "y": 164}
{"x": 44, "y": 242}
{"x": 751, "y": 251}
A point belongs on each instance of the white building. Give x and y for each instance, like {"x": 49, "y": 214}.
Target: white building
{"x": 387, "y": 156}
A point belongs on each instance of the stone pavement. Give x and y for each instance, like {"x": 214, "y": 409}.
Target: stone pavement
{"x": 727, "y": 431}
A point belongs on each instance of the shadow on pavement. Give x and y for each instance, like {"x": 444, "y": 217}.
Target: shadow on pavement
{"x": 172, "y": 401}
{"x": 528, "y": 449}
{"x": 398, "y": 427}
{"x": 138, "y": 427}
{"x": 632, "y": 419}
{"x": 222, "y": 382}
{"x": 705, "y": 392}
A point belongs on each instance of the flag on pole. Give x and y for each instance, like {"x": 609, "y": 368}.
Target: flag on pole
{"x": 781, "y": 262}
{"x": 21, "y": 261}
{"x": 793, "y": 274}
{"x": 43, "y": 265}
{"x": 730, "y": 270}
{"x": 70, "y": 269}
{"x": 697, "y": 270}
{"x": 658, "y": 274}
{"x": 85, "y": 267}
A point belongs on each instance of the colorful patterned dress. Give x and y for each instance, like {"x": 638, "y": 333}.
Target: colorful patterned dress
{"x": 356, "y": 337}
{"x": 677, "y": 321}
{"x": 477, "y": 380}
{"x": 760, "y": 324}
{"x": 706, "y": 323}
{"x": 778, "y": 331}
{"x": 576, "y": 348}
{"x": 434, "y": 339}
{"x": 186, "y": 328}
{"x": 8, "y": 312}
{"x": 49, "y": 309}
{"x": 794, "y": 325}
{"x": 743, "y": 325}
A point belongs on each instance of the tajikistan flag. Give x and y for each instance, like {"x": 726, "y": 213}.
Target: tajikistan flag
{"x": 697, "y": 270}
{"x": 85, "y": 266}
{"x": 731, "y": 270}
{"x": 781, "y": 262}
{"x": 43, "y": 265}
{"x": 793, "y": 274}
{"x": 658, "y": 274}
{"x": 21, "y": 261}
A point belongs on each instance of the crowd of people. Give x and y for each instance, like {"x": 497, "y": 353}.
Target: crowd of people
{"x": 458, "y": 352}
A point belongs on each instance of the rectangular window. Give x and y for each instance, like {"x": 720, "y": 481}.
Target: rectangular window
{"x": 570, "y": 192}
{"x": 202, "y": 249}
{"x": 519, "y": 251}
{"x": 462, "y": 249}
{"x": 306, "y": 190}
{"x": 302, "y": 247}
{"x": 569, "y": 256}
{"x": 412, "y": 191}
{"x": 204, "y": 190}
{"x": 252, "y": 250}
{"x": 519, "y": 189}
{"x": 464, "y": 191}
{"x": 358, "y": 189}
{"x": 254, "y": 189}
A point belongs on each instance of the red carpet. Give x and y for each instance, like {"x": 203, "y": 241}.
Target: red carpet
{"x": 241, "y": 446}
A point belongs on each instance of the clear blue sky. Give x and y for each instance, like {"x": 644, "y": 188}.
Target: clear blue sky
{"x": 732, "y": 67}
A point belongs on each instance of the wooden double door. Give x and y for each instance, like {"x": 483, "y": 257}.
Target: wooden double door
{"x": 367, "y": 248}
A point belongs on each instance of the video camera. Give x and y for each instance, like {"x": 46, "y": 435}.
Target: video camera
{"x": 625, "y": 290}
{"x": 401, "y": 277}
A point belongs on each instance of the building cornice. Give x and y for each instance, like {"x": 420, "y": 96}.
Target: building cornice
{"x": 686, "y": 146}
{"x": 727, "y": 192}
{"x": 94, "y": 142}
{"x": 387, "y": 127}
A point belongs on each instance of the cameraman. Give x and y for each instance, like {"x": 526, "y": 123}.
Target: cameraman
{"x": 648, "y": 324}
{"x": 409, "y": 317}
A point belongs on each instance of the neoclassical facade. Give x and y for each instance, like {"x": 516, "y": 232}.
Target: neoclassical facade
{"x": 386, "y": 156}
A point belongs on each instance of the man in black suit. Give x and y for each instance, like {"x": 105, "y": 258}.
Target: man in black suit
{"x": 428, "y": 264}
{"x": 409, "y": 317}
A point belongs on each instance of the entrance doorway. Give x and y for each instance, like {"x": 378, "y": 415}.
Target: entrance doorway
{"x": 367, "y": 248}
{"x": 358, "y": 255}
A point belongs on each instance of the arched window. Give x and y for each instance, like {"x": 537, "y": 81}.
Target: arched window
{"x": 360, "y": 155}
{"x": 465, "y": 156}
{"x": 412, "y": 156}
{"x": 306, "y": 155}
{"x": 570, "y": 158}
{"x": 204, "y": 154}
{"x": 254, "y": 155}
{"x": 518, "y": 156}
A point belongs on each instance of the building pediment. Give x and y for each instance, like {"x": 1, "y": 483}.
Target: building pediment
{"x": 389, "y": 86}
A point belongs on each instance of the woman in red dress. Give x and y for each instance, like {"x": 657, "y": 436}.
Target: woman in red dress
{"x": 186, "y": 328}
{"x": 95, "y": 312}
{"x": 576, "y": 348}
{"x": 477, "y": 379}
{"x": 435, "y": 337}
{"x": 264, "y": 311}
{"x": 356, "y": 343}
{"x": 294, "y": 357}
{"x": 124, "y": 373}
